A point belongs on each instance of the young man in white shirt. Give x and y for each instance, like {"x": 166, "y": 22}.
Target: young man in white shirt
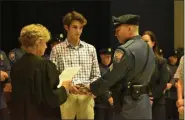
{"x": 76, "y": 53}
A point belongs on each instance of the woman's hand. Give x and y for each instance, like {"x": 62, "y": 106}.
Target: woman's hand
{"x": 67, "y": 84}
{"x": 3, "y": 75}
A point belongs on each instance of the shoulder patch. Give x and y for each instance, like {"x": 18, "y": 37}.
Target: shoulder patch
{"x": 118, "y": 55}
{"x": 12, "y": 56}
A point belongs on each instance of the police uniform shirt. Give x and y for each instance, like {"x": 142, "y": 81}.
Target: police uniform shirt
{"x": 4, "y": 66}
{"x": 16, "y": 54}
{"x": 122, "y": 64}
{"x": 130, "y": 59}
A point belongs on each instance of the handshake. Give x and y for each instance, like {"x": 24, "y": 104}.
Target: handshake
{"x": 80, "y": 89}
{"x": 77, "y": 89}
{"x": 83, "y": 89}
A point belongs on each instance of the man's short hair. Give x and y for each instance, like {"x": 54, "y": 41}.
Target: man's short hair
{"x": 69, "y": 17}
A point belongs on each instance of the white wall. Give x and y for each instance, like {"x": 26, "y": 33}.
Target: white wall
{"x": 178, "y": 23}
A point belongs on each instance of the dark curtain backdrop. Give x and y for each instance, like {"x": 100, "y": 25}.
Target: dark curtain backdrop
{"x": 15, "y": 15}
{"x": 156, "y": 15}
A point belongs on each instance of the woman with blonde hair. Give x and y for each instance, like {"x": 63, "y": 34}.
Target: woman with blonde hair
{"x": 35, "y": 95}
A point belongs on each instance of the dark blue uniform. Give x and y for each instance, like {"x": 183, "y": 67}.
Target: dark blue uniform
{"x": 158, "y": 84}
{"x": 103, "y": 109}
{"x": 16, "y": 54}
{"x": 4, "y": 66}
{"x": 130, "y": 73}
{"x": 123, "y": 70}
{"x": 171, "y": 96}
{"x": 103, "y": 69}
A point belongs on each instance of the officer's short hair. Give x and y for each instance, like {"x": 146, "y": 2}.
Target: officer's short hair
{"x": 33, "y": 32}
{"x": 69, "y": 17}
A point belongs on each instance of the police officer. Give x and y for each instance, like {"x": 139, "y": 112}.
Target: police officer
{"x": 171, "y": 92}
{"x": 51, "y": 44}
{"x": 105, "y": 59}
{"x": 16, "y": 54}
{"x": 132, "y": 68}
{"x": 159, "y": 78}
{"x": 4, "y": 69}
{"x": 103, "y": 104}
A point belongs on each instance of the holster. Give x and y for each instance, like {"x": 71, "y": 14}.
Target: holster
{"x": 136, "y": 91}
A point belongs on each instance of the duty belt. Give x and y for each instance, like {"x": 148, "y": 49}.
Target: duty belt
{"x": 137, "y": 89}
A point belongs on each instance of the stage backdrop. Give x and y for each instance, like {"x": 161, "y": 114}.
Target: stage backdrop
{"x": 156, "y": 15}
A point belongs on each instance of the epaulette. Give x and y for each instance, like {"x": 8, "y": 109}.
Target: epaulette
{"x": 128, "y": 43}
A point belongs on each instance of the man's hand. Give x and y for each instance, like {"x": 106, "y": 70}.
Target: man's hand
{"x": 93, "y": 95}
{"x": 84, "y": 89}
{"x": 111, "y": 101}
{"x": 180, "y": 102}
{"x": 3, "y": 75}
{"x": 151, "y": 100}
{"x": 181, "y": 109}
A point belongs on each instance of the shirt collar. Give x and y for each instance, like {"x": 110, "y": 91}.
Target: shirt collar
{"x": 71, "y": 46}
{"x": 133, "y": 38}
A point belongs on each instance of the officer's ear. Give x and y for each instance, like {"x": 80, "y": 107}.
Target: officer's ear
{"x": 129, "y": 28}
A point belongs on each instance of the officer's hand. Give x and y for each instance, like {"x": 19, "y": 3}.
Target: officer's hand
{"x": 180, "y": 102}
{"x": 7, "y": 87}
{"x": 74, "y": 89}
{"x": 3, "y": 75}
{"x": 168, "y": 86}
{"x": 84, "y": 90}
{"x": 111, "y": 101}
{"x": 181, "y": 109}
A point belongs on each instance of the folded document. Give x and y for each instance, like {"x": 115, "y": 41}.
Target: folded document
{"x": 68, "y": 74}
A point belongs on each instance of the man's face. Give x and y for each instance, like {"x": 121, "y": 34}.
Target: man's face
{"x": 105, "y": 59}
{"x": 122, "y": 32}
{"x": 172, "y": 60}
{"x": 74, "y": 30}
{"x": 148, "y": 40}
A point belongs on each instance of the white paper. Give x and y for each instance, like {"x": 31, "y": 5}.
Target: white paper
{"x": 68, "y": 74}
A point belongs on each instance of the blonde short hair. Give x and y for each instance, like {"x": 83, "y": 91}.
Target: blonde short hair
{"x": 32, "y": 33}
